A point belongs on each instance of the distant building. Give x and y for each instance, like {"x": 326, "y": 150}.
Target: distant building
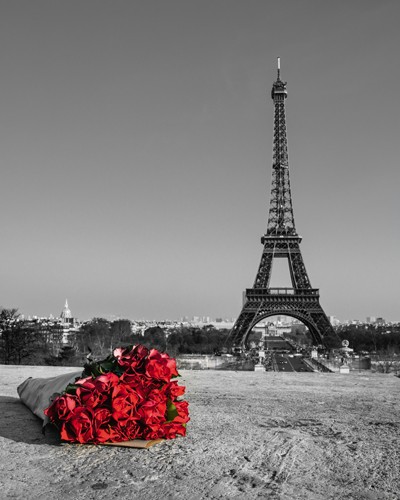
{"x": 333, "y": 321}
{"x": 68, "y": 322}
{"x": 371, "y": 320}
{"x": 66, "y": 314}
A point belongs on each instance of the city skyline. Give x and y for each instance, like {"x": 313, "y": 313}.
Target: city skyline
{"x": 285, "y": 319}
{"x": 136, "y": 153}
{"x": 66, "y": 312}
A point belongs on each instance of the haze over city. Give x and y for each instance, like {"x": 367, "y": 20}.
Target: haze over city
{"x": 136, "y": 150}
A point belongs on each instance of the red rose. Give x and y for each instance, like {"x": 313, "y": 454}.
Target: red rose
{"x": 142, "y": 384}
{"x": 61, "y": 408}
{"x": 88, "y": 394}
{"x": 173, "y": 390}
{"x": 105, "y": 383}
{"x": 79, "y": 427}
{"x": 154, "y": 408}
{"x": 171, "y": 430}
{"x": 88, "y": 381}
{"x": 182, "y": 407}
{"x": 128, "y": 430}
{"x": 133, "y": 358}
{"x": 132, "y": 379}
{"x": 103, "y": 430}
{"x": 178, "y": 425}
{"x": 160, "y": 366}
{"x": 154, "y": 431}
{"x": 124, "y": 401}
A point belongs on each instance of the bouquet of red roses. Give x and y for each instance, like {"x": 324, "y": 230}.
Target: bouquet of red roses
{"x": 129, "y": 395}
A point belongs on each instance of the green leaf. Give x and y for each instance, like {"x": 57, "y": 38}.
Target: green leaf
{"x": 106, "y": 366}
{"x": 172, "y": 412}
{"x": 71, "y": 389}
{"x": 119, "y": 370}
{"x": 96, "y": 368}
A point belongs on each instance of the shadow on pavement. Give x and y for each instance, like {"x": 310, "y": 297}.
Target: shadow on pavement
{"x": 19, "y": 424}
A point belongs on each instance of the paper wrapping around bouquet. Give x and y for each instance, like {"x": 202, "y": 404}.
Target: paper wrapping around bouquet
{"x": 136, "y": 443}
{"x": 38, "y": 393}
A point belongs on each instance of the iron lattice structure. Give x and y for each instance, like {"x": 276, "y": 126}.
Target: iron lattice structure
{"x": 282, "y": 241}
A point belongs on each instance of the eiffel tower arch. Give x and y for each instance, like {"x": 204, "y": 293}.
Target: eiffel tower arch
{"x": 281, "y": 241}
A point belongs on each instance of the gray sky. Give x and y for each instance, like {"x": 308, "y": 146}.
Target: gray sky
{"x": 136, "y": 146}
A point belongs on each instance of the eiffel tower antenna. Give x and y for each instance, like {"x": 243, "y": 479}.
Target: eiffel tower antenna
{"x": 281, "y": 240}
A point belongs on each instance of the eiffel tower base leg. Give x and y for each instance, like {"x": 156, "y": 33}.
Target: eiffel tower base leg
{"x": 304, "y": 306}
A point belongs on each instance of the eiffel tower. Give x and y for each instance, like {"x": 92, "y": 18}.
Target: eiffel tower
{"x": 282, "y": 241}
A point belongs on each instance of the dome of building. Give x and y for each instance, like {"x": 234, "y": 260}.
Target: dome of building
{"x": 66, "y": 312}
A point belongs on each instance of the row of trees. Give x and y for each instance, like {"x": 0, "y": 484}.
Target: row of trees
{"x": 27, "y": 342}
{"x": 370, "y": 338}
{"x": 100, "y": 336}
{"x": 362, "y": 338}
